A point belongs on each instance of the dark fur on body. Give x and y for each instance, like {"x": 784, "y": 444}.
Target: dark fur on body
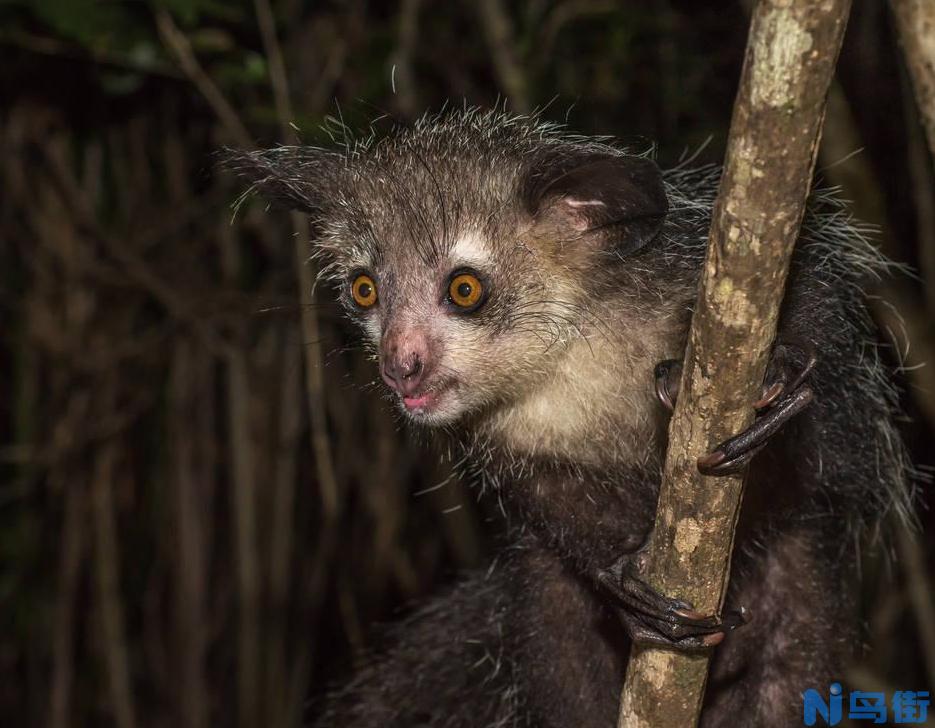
{"x": 550, "y": 400}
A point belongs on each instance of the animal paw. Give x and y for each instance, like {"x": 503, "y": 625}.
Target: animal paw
{"x": 785, "y": 394}
{"x": 654, "y": 619}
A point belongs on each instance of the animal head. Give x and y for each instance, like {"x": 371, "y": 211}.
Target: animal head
{"x": 472, "y": 249}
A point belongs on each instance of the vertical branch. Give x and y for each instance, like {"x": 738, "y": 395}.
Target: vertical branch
{"x": 285, "y": 468}
{"x": 180, "y": 47}
{"x": 243, "y": 474}
{"x": 791, "y": 53}
{"x": 407, "y": 32}
{"x": 310, "y": 324}
{"x": 915, "y": 20}
{"x": 190, "y": 561}
{"x": 72, "y": 555}
{"x": 919, "y": 586}
{"x": 498, "y": 31}
{"x": 243, "y": 471}
{"x": 311, "y": 329}
{"x": 108, "y": 586}
{"x": 858, "y": 184}
{"x": 921, "y": 163}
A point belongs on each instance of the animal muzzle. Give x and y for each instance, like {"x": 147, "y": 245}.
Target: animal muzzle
{"x": 406, "y": 361}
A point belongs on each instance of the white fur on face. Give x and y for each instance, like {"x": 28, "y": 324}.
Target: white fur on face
{"x": 471, "y": 248}
{"x": 596, "y": 405}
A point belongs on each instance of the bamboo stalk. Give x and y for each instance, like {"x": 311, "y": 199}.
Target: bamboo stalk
{"x": 791, "y": 53}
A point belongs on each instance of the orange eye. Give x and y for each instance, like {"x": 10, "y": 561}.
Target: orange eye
{"x": 465, "y": 290}
{"x": 364, "y": 291}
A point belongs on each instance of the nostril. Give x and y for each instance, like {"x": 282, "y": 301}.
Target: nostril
{"x": 397, "y": 372}
{"x": 390, "y": 370}
{"x": 413, "y": 369}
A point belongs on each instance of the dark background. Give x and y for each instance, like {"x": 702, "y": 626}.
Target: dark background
{"x": 195, "y": 532}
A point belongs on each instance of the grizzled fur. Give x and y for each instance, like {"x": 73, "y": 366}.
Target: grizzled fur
{"x": 590, "y": 262}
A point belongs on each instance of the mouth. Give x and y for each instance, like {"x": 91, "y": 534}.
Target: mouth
{"x": 421, "y": 401}
{"x": 424, "y": 403}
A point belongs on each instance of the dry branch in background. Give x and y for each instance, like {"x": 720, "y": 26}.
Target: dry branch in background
{"x": 116, "y": 653}
{"x": 916, "y": 22}
{"x": 310, "y": 325}
{"x": 180, "y": 47}
{"x": 791, "y": 54}
{"x": 902, "y": 315}
{"x": 498, "y": 31}
{"x": 404, "y": 78}
{"x": 122, "y": 269}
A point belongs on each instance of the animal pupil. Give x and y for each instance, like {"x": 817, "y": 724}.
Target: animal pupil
{"x": 465, "y": 290}
{"x": 363, "y": 290}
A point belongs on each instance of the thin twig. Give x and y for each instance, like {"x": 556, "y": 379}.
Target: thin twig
{"x": 176, "y": 41}
{"x": 404, "y": 81}
{"x": 498, "y": 31}
{"x": 560, "y": 16}
{"x": 311, "y": 329}
{"x": 60, "y": 49}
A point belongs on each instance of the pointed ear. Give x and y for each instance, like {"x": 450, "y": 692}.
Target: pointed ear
{"x": 298, "y": 178}
{"x": 616, "y": 199}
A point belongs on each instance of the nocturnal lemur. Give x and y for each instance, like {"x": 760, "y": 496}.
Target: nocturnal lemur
{"x": 519, "y": 287}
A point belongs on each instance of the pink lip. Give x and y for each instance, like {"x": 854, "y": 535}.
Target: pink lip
{"x": 420, "y": 402}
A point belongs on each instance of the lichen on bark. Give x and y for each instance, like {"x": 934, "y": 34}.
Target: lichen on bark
{"x": 791, "y": 53}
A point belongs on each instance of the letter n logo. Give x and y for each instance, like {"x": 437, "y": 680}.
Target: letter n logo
{"x": 816, "y": 706}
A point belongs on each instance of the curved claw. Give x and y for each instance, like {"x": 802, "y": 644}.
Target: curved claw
{"x": 668, "y": 378}
{"x": 779, "y": 385}
{"x": 652, "y": 618}
{"x": 733, "y": 454}
{"x": 779, "y": 377}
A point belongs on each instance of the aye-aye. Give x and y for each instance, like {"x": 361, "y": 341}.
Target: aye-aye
{"x": 528, "y": 293}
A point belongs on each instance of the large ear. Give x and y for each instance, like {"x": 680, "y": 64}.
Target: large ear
{"x": 298, "y": 178}
{"x": 615, "y": 198}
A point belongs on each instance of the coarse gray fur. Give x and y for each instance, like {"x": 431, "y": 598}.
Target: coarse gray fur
{"x": 546, "y": 393}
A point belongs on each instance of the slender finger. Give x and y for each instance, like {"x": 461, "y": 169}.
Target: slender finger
{"x": 755, "y": 436}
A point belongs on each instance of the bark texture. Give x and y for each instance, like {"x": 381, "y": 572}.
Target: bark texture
{"x": 791, "y": 53}
{"x": 916, "y": 22}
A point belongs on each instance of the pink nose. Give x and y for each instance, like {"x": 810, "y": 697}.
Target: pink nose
{"x": 404, "y": 360}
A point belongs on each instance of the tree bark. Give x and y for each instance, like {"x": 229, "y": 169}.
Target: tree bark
{"x": 791, "y": 53}
{"x": 915, "y": 20}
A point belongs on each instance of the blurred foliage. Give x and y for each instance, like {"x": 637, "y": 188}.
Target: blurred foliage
{"x": 155, "y": 438}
